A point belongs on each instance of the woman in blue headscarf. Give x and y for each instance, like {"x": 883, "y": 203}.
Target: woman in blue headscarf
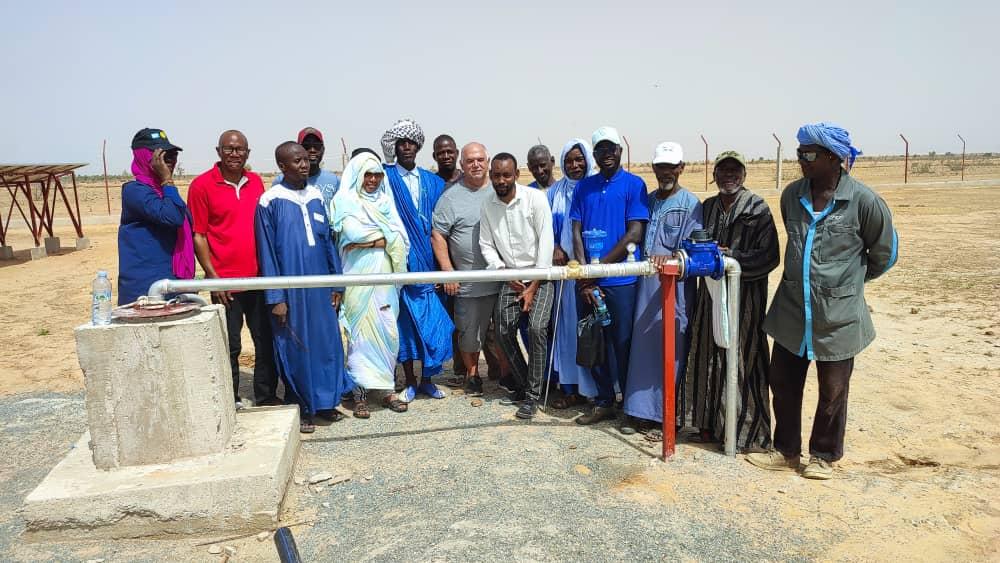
{"x": 577, "y": 162}
{"x": 371, "y": 239}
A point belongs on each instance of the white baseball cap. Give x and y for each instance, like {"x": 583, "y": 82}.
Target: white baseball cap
{"x": 606, "y": 133}
{"x": 668, "y": 152}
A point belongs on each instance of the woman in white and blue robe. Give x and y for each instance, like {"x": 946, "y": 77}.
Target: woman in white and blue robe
{"x": 575, "y": 381}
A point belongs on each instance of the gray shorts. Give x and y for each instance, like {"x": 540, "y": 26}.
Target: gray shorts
{"x": 472, "y": 320}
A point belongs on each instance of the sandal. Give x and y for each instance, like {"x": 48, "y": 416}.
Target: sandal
{"x": 306, "y": 426}
{"x": 361, "y": 409}
{"x": 456, "y": 382}
{"x": 333, "y": 415}
{"x": 654, "y": 435}
{"x": 393, "y": 403}
{"x": 568, "y": 401}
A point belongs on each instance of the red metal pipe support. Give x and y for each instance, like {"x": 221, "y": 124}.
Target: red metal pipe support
{"x": 668, "y": 283}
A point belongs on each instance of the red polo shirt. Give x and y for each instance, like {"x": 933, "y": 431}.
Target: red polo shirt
{"x": 224, "y": 213}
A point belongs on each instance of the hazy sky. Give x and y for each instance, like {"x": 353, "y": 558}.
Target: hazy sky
{"x": 503, "y": 73}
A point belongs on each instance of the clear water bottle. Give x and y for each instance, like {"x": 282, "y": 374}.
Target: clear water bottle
{"x": 601, "y": 310}
{"x": 100, "y": 304}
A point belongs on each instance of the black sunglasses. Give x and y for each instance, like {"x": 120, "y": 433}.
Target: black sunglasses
{"x": 808, "y": 156}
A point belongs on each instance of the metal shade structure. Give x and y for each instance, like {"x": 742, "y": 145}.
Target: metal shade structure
{"x": 34, "y": 191}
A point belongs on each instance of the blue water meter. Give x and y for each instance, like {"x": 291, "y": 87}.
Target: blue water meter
{"x": 704, "y": 259}
{"x": 593, "y": 241}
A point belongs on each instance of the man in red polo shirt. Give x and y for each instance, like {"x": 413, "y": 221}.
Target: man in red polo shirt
{"x": 223, "y": 201}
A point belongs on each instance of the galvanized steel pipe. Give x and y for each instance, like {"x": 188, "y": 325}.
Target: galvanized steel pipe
{"x": 164, "y": 287}
{"x": 733, "y": 275}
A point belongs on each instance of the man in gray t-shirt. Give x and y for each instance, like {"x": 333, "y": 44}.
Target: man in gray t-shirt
{"x": 455, "y": 239}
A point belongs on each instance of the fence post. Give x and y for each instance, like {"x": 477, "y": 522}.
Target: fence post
{"x": 706, "y": 161}
{"x": 628, "y": 153}
{"x": 963, "y": 157}
{"x": 906, "y": 159}
{"x": 777, "y": 178}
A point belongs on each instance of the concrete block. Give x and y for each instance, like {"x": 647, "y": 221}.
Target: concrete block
{"x": 52, "y": 245}
{"x": 37, "y": 253}
{"x": 159, "y": 391}
{"x": 82, "y": 242}
{"x": 6, "y": 252}
{"x": 240, "y": 489}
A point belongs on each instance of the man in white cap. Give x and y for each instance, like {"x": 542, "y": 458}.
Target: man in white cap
{"x": 611, "y": 209}
{"x": 674, "y": 213}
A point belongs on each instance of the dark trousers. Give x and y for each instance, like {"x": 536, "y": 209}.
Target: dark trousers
{"x": 508, "y": 319}
{"x": 620, "y": 301}
{"x": 251, "y": 306}
{"x": 787, "y": 380}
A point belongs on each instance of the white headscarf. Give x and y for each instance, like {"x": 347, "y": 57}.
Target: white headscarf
{"x": 375, "y": 210}
{"x": 562, "y": 191}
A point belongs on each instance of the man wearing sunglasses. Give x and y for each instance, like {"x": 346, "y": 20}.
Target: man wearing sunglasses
{"x": 840, "y": 236}
{"x": 223, "y": 202}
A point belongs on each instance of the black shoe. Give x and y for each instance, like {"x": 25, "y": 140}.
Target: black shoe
{"x": 596, "y": 415}
{"x": 514, "y": 398}
{"x": 474, "y": 386}
{"x": 527, "y": 410}
{"x": 509, "y": 383}
{"x": 628, "y": 426}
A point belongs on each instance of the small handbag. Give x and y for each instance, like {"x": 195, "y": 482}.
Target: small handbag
{"x": 589, "y": 342}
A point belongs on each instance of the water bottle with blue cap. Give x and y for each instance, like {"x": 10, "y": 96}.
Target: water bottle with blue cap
{"x": 601, "y": 309}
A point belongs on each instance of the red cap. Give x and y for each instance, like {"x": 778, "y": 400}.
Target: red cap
{"x": 309, "y": 131}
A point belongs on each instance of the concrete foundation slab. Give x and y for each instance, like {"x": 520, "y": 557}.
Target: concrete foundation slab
{"x": 37, "y": 253}
{"x": 240, "y": 489}
{"x": 82, "y": 243}
{"x": 52, "y": 245}
{"x": 6, "y": 252}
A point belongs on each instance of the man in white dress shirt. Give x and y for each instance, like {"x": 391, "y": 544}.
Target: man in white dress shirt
{"x": 516, "y": 232}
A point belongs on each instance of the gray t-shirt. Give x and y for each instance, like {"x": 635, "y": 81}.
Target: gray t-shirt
{"x": 456, "y": 216}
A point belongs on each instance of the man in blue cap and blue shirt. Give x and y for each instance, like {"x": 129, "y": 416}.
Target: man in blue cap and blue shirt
{"x": 840, "y": 236}
{"x": 612, "y": 205}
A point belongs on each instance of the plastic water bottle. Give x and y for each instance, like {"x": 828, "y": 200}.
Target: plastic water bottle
{"x": 100, "y": 304}
{"x": 603, "y": 316}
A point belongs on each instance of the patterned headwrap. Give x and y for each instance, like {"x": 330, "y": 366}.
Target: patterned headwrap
{"x": 835, "y": 139}
{"x": 403, "y": 129}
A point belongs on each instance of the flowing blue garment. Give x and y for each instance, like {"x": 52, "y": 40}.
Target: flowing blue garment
{"x": 560, "y": 197}
{"x": 424, "y": 327}
{"x": 671, "y": 221}
{"x": 293, "y": 239}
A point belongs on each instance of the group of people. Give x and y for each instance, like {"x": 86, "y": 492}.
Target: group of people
{"x": 386, "y": 215}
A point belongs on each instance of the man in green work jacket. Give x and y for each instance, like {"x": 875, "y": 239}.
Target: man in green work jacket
{"x": 840, "y": 236}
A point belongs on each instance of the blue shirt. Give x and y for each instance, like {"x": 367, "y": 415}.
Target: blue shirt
{"x": 146, "y": 238}
{"x": 608, "y": 205}
{"x": 325, "y": 181}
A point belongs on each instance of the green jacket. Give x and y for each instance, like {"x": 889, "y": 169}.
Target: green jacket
{"x": 819, "y": 310}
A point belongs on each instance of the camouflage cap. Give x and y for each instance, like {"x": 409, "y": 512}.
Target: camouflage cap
{"x": 733, "y": 155}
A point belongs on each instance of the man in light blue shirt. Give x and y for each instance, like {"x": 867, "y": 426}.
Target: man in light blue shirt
{"x": 325, "y": 181}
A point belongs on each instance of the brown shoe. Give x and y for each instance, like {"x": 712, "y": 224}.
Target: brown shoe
{"x": 596, "y": 415}
{"x": 773, "y": 460}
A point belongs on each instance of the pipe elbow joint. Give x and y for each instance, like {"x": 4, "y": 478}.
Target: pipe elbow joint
{"x": 159, "y": 289}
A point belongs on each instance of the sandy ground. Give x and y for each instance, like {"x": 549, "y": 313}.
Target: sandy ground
{"x": 920, "y": 479}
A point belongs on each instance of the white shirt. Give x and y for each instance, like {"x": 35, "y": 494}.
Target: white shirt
{"x": 518, "y": 234}
{"x": 412, "y": 180}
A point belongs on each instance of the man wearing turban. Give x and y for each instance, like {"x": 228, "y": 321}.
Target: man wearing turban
{"x": 840, "y": 236}
{"x": 424, "y": 327}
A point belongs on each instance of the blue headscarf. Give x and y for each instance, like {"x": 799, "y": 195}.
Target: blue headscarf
{"x": 836, "y": 139}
